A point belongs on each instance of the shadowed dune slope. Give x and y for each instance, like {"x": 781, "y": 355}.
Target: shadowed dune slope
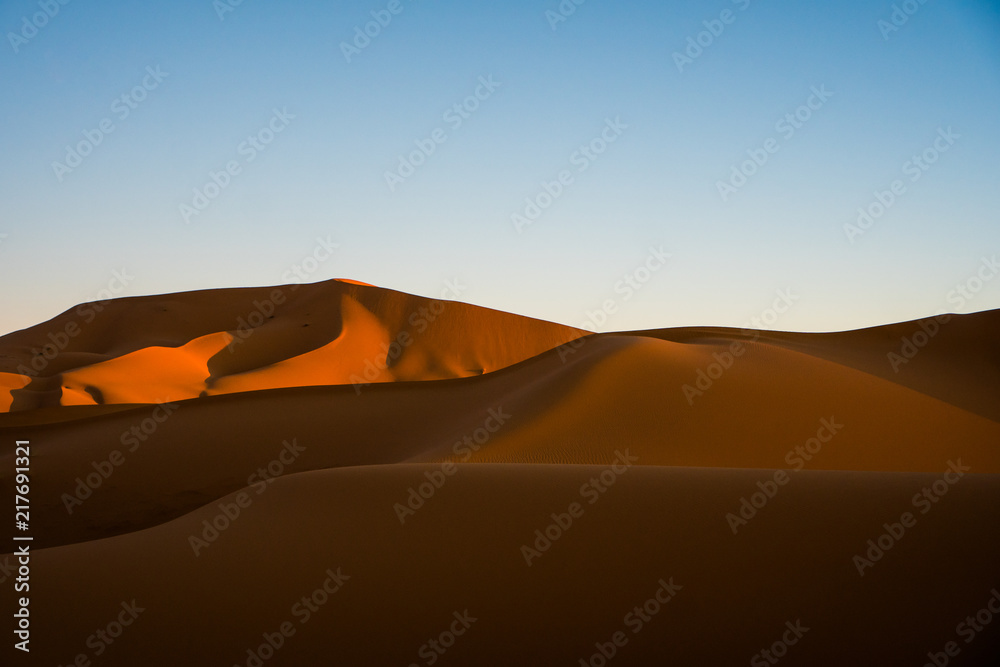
{"x": 399, "y": 586}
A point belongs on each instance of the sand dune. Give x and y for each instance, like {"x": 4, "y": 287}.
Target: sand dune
{"x": 462, "y": 553}
{"x": 951, "y": 357}
{"x": 9, "y": 383}
{"x": 179, "y": 373}
{"x": 738, "y": 475}
{"x": 336, "y": 332}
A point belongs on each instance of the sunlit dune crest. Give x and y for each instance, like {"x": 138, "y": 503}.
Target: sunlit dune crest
{"x": 359, "y": 342}
{"x": 335, "y": 332}
{"x": 149, "y": 375}
{"x": 353, "y": 282}
{"x": 10, "y": 382}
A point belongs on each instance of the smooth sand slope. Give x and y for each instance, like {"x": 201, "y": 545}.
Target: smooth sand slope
{"x": 462, "y": 552}
{"x": 635, "y": 456}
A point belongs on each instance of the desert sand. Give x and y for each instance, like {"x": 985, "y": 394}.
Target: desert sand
{"x": 337, "y": 473}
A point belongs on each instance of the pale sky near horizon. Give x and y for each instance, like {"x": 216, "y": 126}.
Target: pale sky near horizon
{"x": 545, "y": 160}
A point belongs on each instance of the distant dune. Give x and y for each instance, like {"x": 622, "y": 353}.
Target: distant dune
{"x": 456, "y": 462}
{"x": 179, "y": 346}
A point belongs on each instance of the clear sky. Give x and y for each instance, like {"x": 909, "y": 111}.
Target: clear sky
{"x": 738, "y": 137}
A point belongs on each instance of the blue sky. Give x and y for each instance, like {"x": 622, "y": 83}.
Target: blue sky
{"x": 310, "y": 134}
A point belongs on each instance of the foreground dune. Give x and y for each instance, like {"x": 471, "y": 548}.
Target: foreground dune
{"x": 738, "y": 475}
{"x": 400, "y": 586}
